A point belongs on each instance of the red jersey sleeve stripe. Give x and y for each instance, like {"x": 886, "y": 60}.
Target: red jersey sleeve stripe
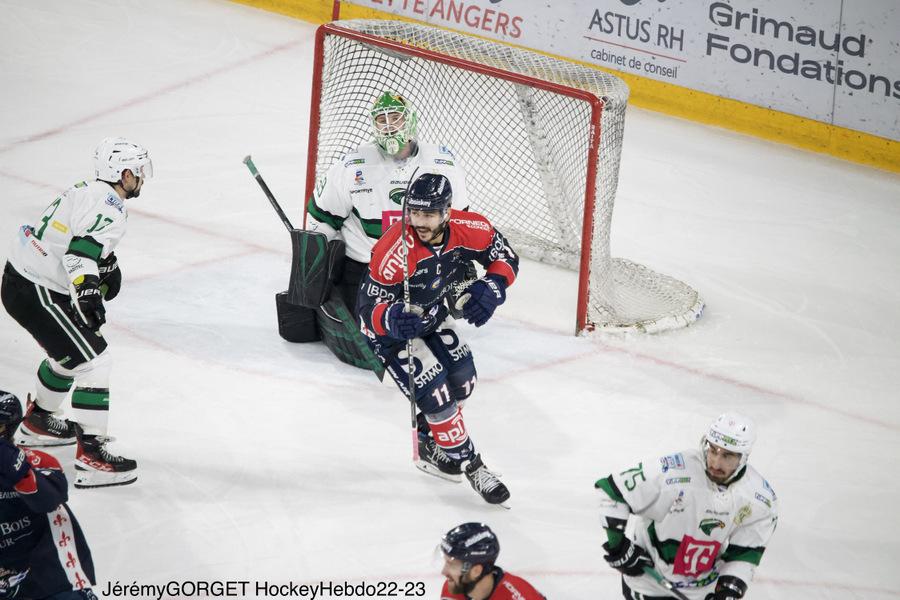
{"x": 27, "y": 485}
{"x": 378, "y": 318}
{"x": 498, "y": 267}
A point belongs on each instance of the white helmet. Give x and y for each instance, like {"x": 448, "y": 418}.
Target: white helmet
{"x": 733, "y": 432}
{"x": 114, "y": 155}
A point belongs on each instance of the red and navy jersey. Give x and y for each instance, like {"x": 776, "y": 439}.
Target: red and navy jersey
{"x": 506, "y": 587}
{"x": 39, "y": 534}
{"x": 432, "y": 269}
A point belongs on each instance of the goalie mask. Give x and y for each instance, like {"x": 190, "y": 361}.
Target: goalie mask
{"x": 115, "y": 155}
{"x": 10, "y": 415}
{"x": 734, "y": 433}
{"x": 394, "y": 121}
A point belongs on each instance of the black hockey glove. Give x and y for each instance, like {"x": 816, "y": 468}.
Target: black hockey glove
{"x": 728, "y": 587}
{"x": 13, "y": 465}
{"x": 485, "y": 295}
{"x": 88, "y": 301}
{"x": 403, "y": 325}
{"x": 627, "y": 558}
{"x": 110, "y": 276}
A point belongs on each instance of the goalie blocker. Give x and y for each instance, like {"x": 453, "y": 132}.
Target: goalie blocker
{"x": 311, "y": 309}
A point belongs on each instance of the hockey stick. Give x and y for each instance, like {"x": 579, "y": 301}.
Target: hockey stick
{"x": 410, "y": 364}
{"x": 265, "y": 188}
{"x": 665, "y": 583}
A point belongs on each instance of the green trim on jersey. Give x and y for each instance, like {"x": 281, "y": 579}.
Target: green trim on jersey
{"x": 320, "y": 214}
{"x": 743, "y": 553}
{"x": 53, "y": 381}
{"x": 86, "y": 247}
{"x": 667, "y": 549}
{"x": 91, "y": 398}
{"x": 606, "y": 484}
{"x": 371, "y": 227}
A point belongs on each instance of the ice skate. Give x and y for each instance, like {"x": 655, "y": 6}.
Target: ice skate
{"x": 486, "y": 483}
{"x": 95, "y": 466}
{"x": 41, "y": 428}
{"x": 434, "y": 461}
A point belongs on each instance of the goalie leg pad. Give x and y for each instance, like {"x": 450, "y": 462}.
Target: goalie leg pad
{"x": 296, "y": 324}
{"x": 341, "y": 334}
{"x": 315, "y": 267}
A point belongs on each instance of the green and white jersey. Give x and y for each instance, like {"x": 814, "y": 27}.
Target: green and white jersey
{"x": 79, "y": 228}
{"x": 694, "y": 529}
{"x": 362, "y": 194}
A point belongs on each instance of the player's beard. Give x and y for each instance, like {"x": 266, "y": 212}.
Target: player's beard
{"x": 460, "y": 587}
{"x": 428, "y": 235}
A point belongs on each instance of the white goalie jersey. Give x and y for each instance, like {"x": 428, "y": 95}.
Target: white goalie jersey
{"x": 694, "y": 529}
{"x": 89, "y": 217}
{"x": 362, "y": 193}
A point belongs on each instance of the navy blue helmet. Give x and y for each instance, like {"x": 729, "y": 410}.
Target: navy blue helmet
{"x": 472, "y": 543}
{"x": 430, "y": 191}
{"x": 10, "y": 414}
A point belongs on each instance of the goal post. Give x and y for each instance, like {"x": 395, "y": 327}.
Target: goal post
{"x": 540, "y": 139}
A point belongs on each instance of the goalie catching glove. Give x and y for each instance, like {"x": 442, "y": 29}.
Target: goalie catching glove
{"x": 627, "y": 558}
{"x": 88, "y": 301}
{"x": 484, "y": 296}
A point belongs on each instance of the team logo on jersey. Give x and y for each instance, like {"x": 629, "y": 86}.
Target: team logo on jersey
{"x": 396, "y": 195}
{"x": 695, "y": 557}
{"x": 436, "y": 283}
{"x": 707, "y": 525}
{"x": 673, "y": 461}
{"x": 320, "y": 186}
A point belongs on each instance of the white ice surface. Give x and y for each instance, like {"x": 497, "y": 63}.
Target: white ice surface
{"x": 266, "y": 461}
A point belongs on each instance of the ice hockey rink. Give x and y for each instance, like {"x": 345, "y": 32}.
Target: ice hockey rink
{"x": 269, "y": 462}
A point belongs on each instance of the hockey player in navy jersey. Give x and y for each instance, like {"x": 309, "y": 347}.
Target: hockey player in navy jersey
{"x": 43, "y": 552}
{"x": 702, "y": 517}
{"x": 470, "y": 551}
{"x": 440, "y": 242}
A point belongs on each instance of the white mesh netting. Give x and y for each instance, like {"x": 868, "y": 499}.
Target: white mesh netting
{"x": 525, "y": 150}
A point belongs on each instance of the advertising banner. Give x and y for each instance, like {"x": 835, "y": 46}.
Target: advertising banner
{"x": 834, "y": 61}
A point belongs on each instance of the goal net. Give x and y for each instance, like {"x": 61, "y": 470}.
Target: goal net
{"x": 540, "y": 139}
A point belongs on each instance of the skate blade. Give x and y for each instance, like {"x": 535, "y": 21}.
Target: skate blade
{"x": 89, "y": 478}
{"x": 427, "y": 467}
{"x": 42, "y": 441}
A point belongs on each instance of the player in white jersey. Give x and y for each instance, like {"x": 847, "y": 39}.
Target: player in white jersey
{"x": 700, "y": 518}
{"x": 361, "y": 194}
{"x": 60, "y": 271}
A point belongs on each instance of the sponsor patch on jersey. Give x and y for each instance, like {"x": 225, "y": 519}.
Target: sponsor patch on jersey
{"x": 445, "y": 150}
{"x": 389, "y": 217}
{"x": 695, "y": 557}
{"x": 443, "y": 161}
{"x": 362, "y": 191}
{"x": 672, "y": 462}
{"x": 320, "y": 186}
{"x": 678, "y": 504}
{"x": 707, "y": 525}
{"x": 358, "y": 179}
{"x": 743, "y": 514}
{"x": 473, "y": 224}
{"x": 115, "y": 202}
{"x": 355, "y": 161}
{"x": 436, "y": 283}
{"x": 674, "y": 480}
{"x": 763, "y": 499}
{"x": 59, "y": 227}
{"x": 769, "y": 489}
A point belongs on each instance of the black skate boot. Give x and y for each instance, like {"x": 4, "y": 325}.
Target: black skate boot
{"x": 434, "y": 461}
{"x": 95, "y": 466}
{"x": 485, "y": 482}
{"x": 40, "y": 428}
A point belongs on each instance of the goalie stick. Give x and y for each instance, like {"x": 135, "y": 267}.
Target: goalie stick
{"x": 265, "y": 188}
